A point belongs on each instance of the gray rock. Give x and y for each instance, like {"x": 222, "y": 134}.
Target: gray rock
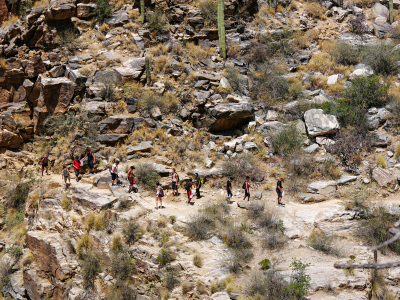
{"x": 156, "y": 113}
{"x": 333, "y": 79}
{"x": 211, "y": 76}
{"x": 326, "y": 188}
{"x": 92, "y": 200}
{"x": 376, "y": 139}
{"x": 112, "y": 138}
{"x": 364, "y": 71}
{"x": 161, "y": 170}
{"x": 272, "y": 127}
{"x": 249, "y": 146}
{"x": 271, "y": 115}
{"x": 312, "y": 197}
{"x": 376, "y": 117}
{"x": 57, "y": 71}
{"x": 142, "y": 147}
{"x": 208, "y": 173}
{"x": 382, "y": 177}
{"x": 209, "y": 163}
{"x": 312, "y": 148}
{"x": 108, "y": 77}
{"x": 345, "y": 179}
{"x": 220, "y": 296}
{"x": 391, "y": 162}
{"x": 320, "y": 124}
{"x": 60, "y": 10}
{"x": 381, "y": 10}
{"x": 119, "y": 123}
{"x": 118, "y": 18}
{"x": 258, "y": 195}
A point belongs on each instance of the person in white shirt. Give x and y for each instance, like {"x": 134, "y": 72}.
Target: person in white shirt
{"x": 114, "y": 172}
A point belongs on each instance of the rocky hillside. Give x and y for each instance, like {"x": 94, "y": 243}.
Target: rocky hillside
{"x": 309, "y": 91}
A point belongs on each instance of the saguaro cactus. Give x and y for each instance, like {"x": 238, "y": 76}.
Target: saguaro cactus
{"x": 341, "y": 3}
{"x": 391, "y": 11}
{"x": 142, "y": 10}
{"x": 221, "y": 28}
{"x": 147, "y": 63}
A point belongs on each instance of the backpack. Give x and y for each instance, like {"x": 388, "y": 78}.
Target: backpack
{"x": 162, "y": 192}
{"x": 110, "y": 169}
{"x": 187, "y": 187}
{"x": 201, "y": 181}
{"x": 244, "y": 185}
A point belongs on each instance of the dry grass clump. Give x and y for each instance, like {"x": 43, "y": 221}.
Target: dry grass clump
{"x": 159, "y": 49}
{"x": 326, "y": 243}
{"x": 85, "y": 71}
{"x": 66, "y": 203}
{"x": 84, "y": 245}
{"x": 104, "y": 27}
{"x": 380, "y": 160}
{"x": 197, "y": 260}
{"x": 196, "y": 53}
{"x": 314, "y": 10}
{"x": 3, "y": 63}
{"x": 397, "y": 151}
{"x": 43, "y": 3}
{"x": 301, "y": 41}
{"x": 11, "y": 20}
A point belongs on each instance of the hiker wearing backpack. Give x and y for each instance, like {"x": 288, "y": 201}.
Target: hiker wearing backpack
{"x": 188, "y": 188}
{"x": 279, "y": 191}
{"x": 114, "y": 173}
{"x": 175, "y": 183}
{"x": 246, "y": 187}
{"x": 131, "y": 180}
{"x": 91, "y": 159}
{"x": 197, "y": 181}
{"x": 77, "y": 167}
{"x": 44, "y": 162}
{"x": 229, "y": 187}
{"x": 159, "y": 195}
{"x": 65, "y": 175}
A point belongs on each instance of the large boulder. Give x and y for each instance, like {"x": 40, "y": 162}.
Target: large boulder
{"x": 37, "y": 285}
{"x": 382, "y": 176}
{"x": 118, "y": 18}
{"x": 376, "y": 139}
{"x": 84, "y": 10}
{"x": 146, "y": 146}
{"x": 380, "y": 10}
{"x": 93, "y": 201}
{"x": 111, "y": 138}
{"x": 51, "y": 254}
{"x": 319, "y": 123}
{"x": 60, "y": 10}
{"x": 55, "y": 94}
{"x": 9, "y": 139}
{"x": 228, "y": 116}
{"x": 325, "y": 188}
{"x": 271, "y": 127}
{"x": 376, "y": 117}
{"x": 120, "y": 124}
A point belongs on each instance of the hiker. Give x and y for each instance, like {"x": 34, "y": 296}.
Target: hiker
{"x": 229, "y": 187}
{"x": 175, "y": 183}
{"x": 197, "y": 181}
{"x": 279, "y": 191}
{"x": 114, "y": 173}
{"x": 131, "y": 180}
{"x": 45, "y": 164}
{"x": 246, "y": 187}
{"x": 91, "y": 160}
{"x": 188, "y": 188}
{"x": 159, "y": 195}
{"x": 77, "y": 167}
{"x": 65, "y": 175}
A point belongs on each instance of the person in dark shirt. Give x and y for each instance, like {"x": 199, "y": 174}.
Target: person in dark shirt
{"x": 229, "y": 187}
{"x": 197, "y": 181}
{"x": 188, "y": 188}
{"x": 247, "y": 187}
{"x": 91, "y": 160}
{"x": 279, "y": 191}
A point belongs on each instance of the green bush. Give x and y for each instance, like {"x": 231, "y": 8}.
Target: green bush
{"x": 321, "y": 241}
{"x": 165, "y": 257}
{"x": 131, "y": 231}
{"x": 345, "y": 54}
{"x": 90, "y": 269}
{"x": 121, "y": 291}
{"x": 382, "y": 58}
{"x": 15, "y": 251}
{"x": 234, "y": 77}
{"x": 299, "y": 280}
{"x": 108, "y": 93}
{"x": 269, "y": 85}
{"x": 171, "y": 279}
{"x": 122, "y": 264}
{"x": 287, "y": 140}
{"x": 209, "y": 11}
{"x": 240, "y": 166}
{"x": 102, "y": 11}
{"x": 265, "y": 264}
{"x": 146, "y": 175}
{"x": 200, "y": 227}
{"x": 373, "y": 229}
{"x": 68, "y": 38}
{"x": 16, "y": 197}
{"x": 236, "y": 239}
{"x": 158, "y": 21}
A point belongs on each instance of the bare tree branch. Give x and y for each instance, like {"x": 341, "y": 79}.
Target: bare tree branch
{"x": 368, "y": 266}
{"x": 396, "y": 236}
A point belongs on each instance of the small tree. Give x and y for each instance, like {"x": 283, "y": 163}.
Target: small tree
{"x": 102, "y": 11}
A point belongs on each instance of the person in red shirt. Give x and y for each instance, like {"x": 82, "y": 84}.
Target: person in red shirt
{"x": 77, "y": 166}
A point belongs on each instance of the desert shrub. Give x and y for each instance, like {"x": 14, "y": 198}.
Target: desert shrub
{"x": 60, "y": 125}
{"x": 347, "y": 145}
{"x": 122, "y": 264}
{"x": 3, "y": 63}
{"x": 15, "y": 251}
{"x": 358, "y": 25}
{"x": 397, "y": 151}
{"x": 321, "y": 241}
{"x": 84, "y": 245}
{"x": 117, "y": 244}
{"x": 90, "y": 220}
{"x": 257, "y": 54}
{"x": 255, "y": 210}
{"x": 14, "y": 219}
{"x": 236, "y": 239}
{"x": 165, "y": 257}
{"x": 217, "y": 211}
{"x": 265, "y": 264}
{"x": 234, "y": 77}
{"x": 124, "y": 204}
{"x": 299, "y": 280}
{"x": 314, "y": 10}
{"x": 101, "y": 221}
{"x": 198, "y": 260}
{"x": 147, "y": 100}
{"x": 269, "y": 84}
{"x": 108, "y": 93}
{"x": 5, "y": 272}
{"x": 382, "y": 58}
{"x": 209, "y": 11}
{"x": 359, "y": 200}
{"x": 102, "y": 11}
{"x": 16, "y": 196}
{"x": 240, "y": 166}
{"x": 171, "y": 279}
{"x": 300, "y": 165}
{"x": 131, "y": 231}
{"x": 373, "y": 228}
{"x": 380, "y": 160}
{"x": 273, "y": 240}
{"x": 345, "y": 54}
{"x": 146, "y": 175}
{"x": 90, "y": 268}
{"x": 121, "y": 291}
{"x": 158, "y": 21}
{"x": 200, "y": 227}
{"x": 287, "y": 140}
{"x": 68, "y": 38}
{"x": 66, "y": 203}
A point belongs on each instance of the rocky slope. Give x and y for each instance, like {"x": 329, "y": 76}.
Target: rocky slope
{"x": 309, "y": 91}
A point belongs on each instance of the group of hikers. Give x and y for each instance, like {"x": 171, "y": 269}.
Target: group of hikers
{"x": 195, "y": 183}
